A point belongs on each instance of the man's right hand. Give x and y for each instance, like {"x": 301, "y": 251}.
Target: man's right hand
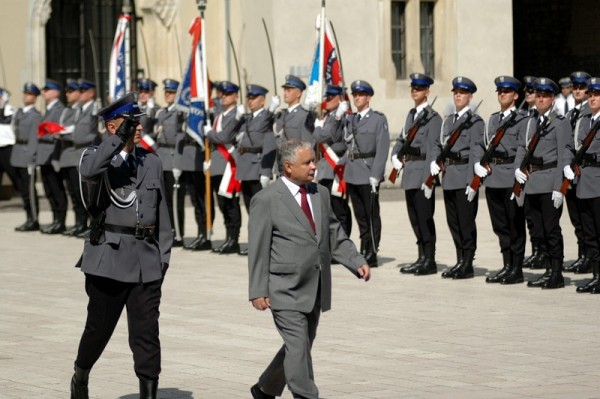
{"x": 396, "y": 163}
{"x": 127, "y": 128}
{"x": 261, "y": 303}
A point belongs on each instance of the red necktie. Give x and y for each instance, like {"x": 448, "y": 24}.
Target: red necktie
{"x": 306, "y": 208}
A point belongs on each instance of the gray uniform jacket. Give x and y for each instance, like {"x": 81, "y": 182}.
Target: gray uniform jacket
{"x": 550, "y": 148}
{"x": 258, "y": 136}
{"x": 415, "y": 172}
{"x": 297, "y": 124}
{"x": 503, "y": 174}
{"x": 124, "y": 257}
{"x": 286, "y": 260}
{"x": 169, "y": 122}
{"x": 188, "y": 154}
{"x": 225, "y": 135}
{"x": 589, "y": 181}
{"x": 332, "y": 134}
{"x": 148, "y": 121}
{"x": 48, "y": 147}
{"x": 371, "y": 138}
{"x": 459, "y": 176}
{"x": 84, "y": 135}
{"x": 25, "y": 128}
{"x": 577, "y": 113}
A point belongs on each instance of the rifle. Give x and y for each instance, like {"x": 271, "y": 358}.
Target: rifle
{"x": 441, "y": 159}
{"x": 518, "y": 187}
{"x": 579, "y": 155}
{"x": 485, "y": 160}
{"x": 412, "y": 132}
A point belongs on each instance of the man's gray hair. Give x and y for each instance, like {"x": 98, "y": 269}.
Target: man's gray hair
{"x": 287, "y": 151}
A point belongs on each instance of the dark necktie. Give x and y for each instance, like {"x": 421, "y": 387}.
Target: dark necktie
{"x": 540, "y": 121}
{"x": 131, "y": 163}
{"x": 501, "y": 116}
{"x": 358, "y": 117}
{"x": 455, "y": 117}
{"x": 306, "y": 208}
{"x": 413, "y": 114}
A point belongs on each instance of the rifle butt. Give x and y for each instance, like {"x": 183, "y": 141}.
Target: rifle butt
{"x": 393, "y": 175}
{"x": 565, "y": 186}
{"x": 429, "y": 181}
{"x": 475, "y": 183}
{"x": 517, "y": 189}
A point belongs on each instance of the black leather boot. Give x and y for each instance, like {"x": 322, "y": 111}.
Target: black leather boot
{"x": 428, "y": 266}
{"x": 370, "y": 254}
{"x": 506, "y": 266}
{"x": 556, "y": 279}
{"x": 581, "y": 255}
{"x": 465, "y": 270}
{"x": 541, "y": 280}
{"x": 411, "y": 268}
{"x": 460, "y": 260}
{"x": 535, "y": 251}
{"x": 220, "y": 247}
{"x": 515, "y": 274}
{"x": 585, "y": 266}
{"x": 232, "y": 246}
{"x": 201, "y": 243}
{"x": 44, "y": 228}
{"x": 79, "y": 383}
{"x": 593, "y": 283}
{"x": 29, "y": 225}
{"x": 541, "y": 262}
{"x": 148, "y": 388}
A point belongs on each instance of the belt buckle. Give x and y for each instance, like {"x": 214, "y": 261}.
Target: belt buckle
{"x": 139, "y": 231}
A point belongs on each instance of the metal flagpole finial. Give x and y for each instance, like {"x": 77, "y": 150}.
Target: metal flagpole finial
{"x": 201, "y": 5}
{"x": 126, "y": 9}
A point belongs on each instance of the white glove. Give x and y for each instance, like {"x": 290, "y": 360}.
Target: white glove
{"x": 264, "y": 181}
{"x": 520, "y": 176}
{"x": 374, "y": 182}
{"x": 207, "y": 129}
{"x": 480, "y": 170}
{"x": 319, "y": 123}
{"x": 557, "y": 198}
{"x": 568, "y": 172}
{"x": 206, "y": 166}
{"x": 176, "y": 173}
{"x": 239, "y": 112}
{"x": 30, "y": 169}
{"x": 434, "y": 168}
{"x": 426, "y": 190}
{"x": 470, "y": 193}
{"x": 274, "y": 103}
{"x": 396, "y": 163}
{"x": 341, "y": 110}
{"x": 520, "y": 199}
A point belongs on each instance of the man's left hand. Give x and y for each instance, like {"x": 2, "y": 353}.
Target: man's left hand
{"x": 364, "y": 272}
{"x": 262, "y": 303}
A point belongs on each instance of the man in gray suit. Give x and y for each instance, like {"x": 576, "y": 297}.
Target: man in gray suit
{"x": 293, "y": 235}
{"x": 22, "y": 158}
{"x": 127, "y": 254}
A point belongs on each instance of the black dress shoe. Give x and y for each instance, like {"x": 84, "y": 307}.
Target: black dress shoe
{"x": 220, "y": 247}
{"x": 409, "y": 269}
{"x": 199, "y": 244}
{"x": 589, "y": 286}
{"x": 497, "y": 278}
{"x": 84, "y": 234}
{"x": 514, "y": 276}
{"x": 232, "y": 247}
{"x": 538, "y": 283}
{"x": 44, "y": 229}
{"x": 79, "y": 384}
{"x": 584, "y": 267}
{"x": 29, "y": 225}
{"x": 57, "y": 228}
{"x": 571, "y": 268}
{"x": 449, "y": 273}
{"x": 258, "y": 394}
{"x": 78, "y": 229}
{"x": 243, "y": 252}
{"x": 428, "y": 267}
{"x": 177, "y": 243}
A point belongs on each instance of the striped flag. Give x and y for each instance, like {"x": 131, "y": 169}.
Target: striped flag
{"x": 118, "y": 74}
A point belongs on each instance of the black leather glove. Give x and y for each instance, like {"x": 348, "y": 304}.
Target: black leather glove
{"x": 127, "y": 128}
{"x": 163, "y": 267}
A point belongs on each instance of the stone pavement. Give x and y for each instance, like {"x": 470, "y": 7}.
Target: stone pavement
{"x": 395, "y": 337}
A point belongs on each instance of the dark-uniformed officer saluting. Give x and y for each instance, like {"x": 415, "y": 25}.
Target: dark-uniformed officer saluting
{"x": 420, "y": 202}
{"x": 366, "y": 133}
{"x": 128, "y": 251}
{"x": 294, "y": 122}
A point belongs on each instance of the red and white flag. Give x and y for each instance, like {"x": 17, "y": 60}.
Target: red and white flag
{"x": 149, "y": 144}
{"x": 119, "y": 79}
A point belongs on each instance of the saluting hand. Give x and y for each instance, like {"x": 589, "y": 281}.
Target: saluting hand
{"x": 261, "y": 303}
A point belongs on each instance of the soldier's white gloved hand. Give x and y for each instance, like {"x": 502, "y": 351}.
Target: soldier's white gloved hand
{"x": 341, "y": 110}
{"x": 426, "y": 190}
{"x": 470, "y": 193}
{"x": 520, "y": 199}
{"x": 557, "y": 198}
{"x": 274, "y": 103}
{"x": 239, "y": 112}
{"x": 206, "y": 166}
{"x": 434, "y": 168}
{"x": 319, "y": 123}
{"x": 374, "y": 182}
{"x": 264, "y": 181}
{"x": 480, "y": 170}
{"x": 520, "y": 176}
{"x": 396, "y": 163}
{"x": 568, "y": 172}
{"x": 207, "y": 129}
{"x": 176, "y": 173}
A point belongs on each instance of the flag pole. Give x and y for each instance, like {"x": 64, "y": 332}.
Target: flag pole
{"x": 127, "y": 11}
{"x": 321, "y": 57}
{"x": 208, "y": 191}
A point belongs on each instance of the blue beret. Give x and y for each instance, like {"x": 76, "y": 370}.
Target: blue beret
{"x": 294, "y": 82}
{"x": 72, "y": 85}
{"x": 85, "y": 84}
{"x": 333, "y": 90}
{"x": 565, "y": 82}
{"x": 30, "y": 88}
{"x": 228, "y": 87}
{"x": 256, "y": 90}
{"x": 529, "y": 81}
{"x": 124, "y": 105}
{"x": 545, "y": 85}
{"x": 146, "y": 84}
{"x": 171, "y": 84}
{"x": 507, "y": 82}
{"x": 362, "y": 86}
{"x": 460, "y": 82}
{"x": 594, "y": 85}
{"x": 52, "y": 85}
{"x": 580, "y": 78}
{"x": 420, "y": 79}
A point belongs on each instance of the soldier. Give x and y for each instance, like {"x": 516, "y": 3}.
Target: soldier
{"x": 507, "y": 216}
{"x": 543, "y": 200}
{"x": 420, "y": 204}
{"x": 366, "y": 133}
{"x": 146, "y": 102}
{"x": 22, "y": 158}
{"x": 85, "y": 133}
{"x": 461, "y": 206}
{"x": 529, "y": 94}
{"x": 223, "y": 166}
{"x": 7, "y": 138}
{"x": 574, "y": 207}
{"x": 48, "y": 153}
{"x": 329, "y": 136}
{"x": 256, "y": 145}
{"x": 564, "y": 101}
{"x": 294, "y": 122}
{"x": 588, "y": 189}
